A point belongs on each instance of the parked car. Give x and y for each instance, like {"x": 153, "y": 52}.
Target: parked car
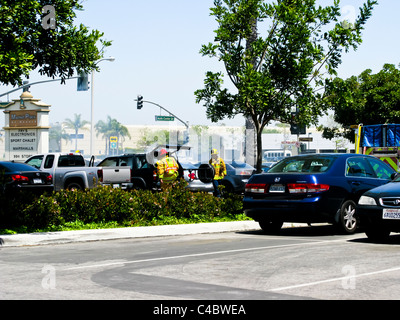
{"x": 313, "y": 188}
{"x": 265, "y": 166}
{"x": 19, "y": 176}
{"x": 199, "y": 176}
{"x": 143, "y": 173}
{"x": 69, "y": 171}
{"x": 379, "y": 210}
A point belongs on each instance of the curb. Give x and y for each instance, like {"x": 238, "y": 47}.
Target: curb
{"x": 62, "y": 237}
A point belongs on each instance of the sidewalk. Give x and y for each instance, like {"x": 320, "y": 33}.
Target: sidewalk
{"x": 46, "y": 238}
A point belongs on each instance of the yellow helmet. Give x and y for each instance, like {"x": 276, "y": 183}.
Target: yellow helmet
{"x": 214, "y": 151}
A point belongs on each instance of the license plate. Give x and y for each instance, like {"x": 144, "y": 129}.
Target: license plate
{"x": 391, "y": 214}
{"x": 277, "y": 188}
{"x": 37, "y": 181}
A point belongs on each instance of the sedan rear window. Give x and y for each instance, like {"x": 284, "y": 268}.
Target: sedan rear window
{"x": 15, "y": 166}
{"x": 303, "y": 164}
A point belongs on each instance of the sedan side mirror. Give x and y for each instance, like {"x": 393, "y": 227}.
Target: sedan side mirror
{"x": 394, "y": 175}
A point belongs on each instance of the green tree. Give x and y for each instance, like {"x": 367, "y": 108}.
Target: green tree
{"x": 25, "y": 45}
{"x": 276, "y": 55}
{"x": 365, "y": 99}
{"x": 76, "y": 124}
{"x": 111, "y": 128}
{"x": 57, "y": 133}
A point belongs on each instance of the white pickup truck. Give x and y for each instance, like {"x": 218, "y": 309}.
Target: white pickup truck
{"x": 69, "y": 171}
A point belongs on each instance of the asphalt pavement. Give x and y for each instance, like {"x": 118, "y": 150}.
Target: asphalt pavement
{"x": 46, "y": 238}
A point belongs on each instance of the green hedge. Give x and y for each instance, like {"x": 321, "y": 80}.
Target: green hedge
{"x": 104, "y": 204}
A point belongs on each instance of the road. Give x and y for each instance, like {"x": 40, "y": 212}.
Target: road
{"x": 300, "y": 263}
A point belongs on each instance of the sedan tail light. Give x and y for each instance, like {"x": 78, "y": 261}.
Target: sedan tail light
{"x": 307, "y": 187}
{"x": 49, "y": 178}
{"x": 191, "y": 176}
{"x": 100, "y": 175}
{"x": 256, "y": 187}
{"x": 19, "y": 178}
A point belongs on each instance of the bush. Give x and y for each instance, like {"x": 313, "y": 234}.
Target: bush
{"x": 175, "y": 204}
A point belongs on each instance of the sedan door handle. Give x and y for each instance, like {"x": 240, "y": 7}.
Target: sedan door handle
{"x": 356, "y": 183}
{"x": 116, "y": 170}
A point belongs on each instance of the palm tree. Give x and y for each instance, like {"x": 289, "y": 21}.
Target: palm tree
{"x": 111, "y": 128}
{"x": 76, "y": 124}
{"x": 57, "y": 133}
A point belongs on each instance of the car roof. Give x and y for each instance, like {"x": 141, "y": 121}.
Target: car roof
{"x": 334, "y": 155}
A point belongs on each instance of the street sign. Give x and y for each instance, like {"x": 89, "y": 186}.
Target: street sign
{"x": 114, "y": 139}
{"x": 165, "y": 118}
{"x": 306, "y": 139}
{"x": 113, "y": 145}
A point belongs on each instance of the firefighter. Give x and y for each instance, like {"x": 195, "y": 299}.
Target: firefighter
{"x": 167, "y": 168}
{"x": 220, "y": 170}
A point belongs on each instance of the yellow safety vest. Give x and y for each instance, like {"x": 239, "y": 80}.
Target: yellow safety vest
{"x": 167, "y": 169}
{"x": 220, "y": 168}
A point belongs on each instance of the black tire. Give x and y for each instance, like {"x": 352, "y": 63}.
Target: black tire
{"x": 270, "y": 226}
{"x": 347, "y": 217}
{"x": 228, "y": 187}
{"x": 377, "y": 233}
{"x": 73, "y": 185}
{"x": 206, "y": 173}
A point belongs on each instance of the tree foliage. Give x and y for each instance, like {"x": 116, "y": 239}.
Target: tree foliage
{"x": 365, "y": 99}
{"x": 109, "y": 128}
{"x": 76, "y": 124}
{"x": 276, "y": 54}
{"x": 25, "y": 45}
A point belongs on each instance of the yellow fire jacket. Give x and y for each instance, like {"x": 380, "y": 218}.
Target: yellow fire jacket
{"x": 167, "y": 169}
{"x": 220, "y": 168}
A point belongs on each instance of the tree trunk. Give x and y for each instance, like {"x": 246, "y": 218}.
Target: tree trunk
{"x": 253, "y": 136}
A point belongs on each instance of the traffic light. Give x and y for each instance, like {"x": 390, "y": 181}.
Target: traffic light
{"x": 83, "y": 82}
{"x": 139, "y": 102}
{"x": 296, "y": 128}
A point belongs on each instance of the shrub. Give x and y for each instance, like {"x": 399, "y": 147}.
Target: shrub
{"x": 175, "y": 204}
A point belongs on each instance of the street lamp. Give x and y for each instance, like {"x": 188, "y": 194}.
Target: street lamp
{"x": 111, "y": 59}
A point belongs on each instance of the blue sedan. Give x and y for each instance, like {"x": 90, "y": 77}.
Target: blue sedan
{"x": 313, "y": 188}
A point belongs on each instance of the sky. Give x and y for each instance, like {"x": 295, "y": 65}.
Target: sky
{"x": 156, "y": 46}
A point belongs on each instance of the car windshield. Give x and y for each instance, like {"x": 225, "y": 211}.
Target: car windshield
{"x": 303, "y": 164}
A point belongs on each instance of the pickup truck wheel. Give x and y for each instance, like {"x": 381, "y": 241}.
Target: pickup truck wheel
{"x": 74, "y": 186}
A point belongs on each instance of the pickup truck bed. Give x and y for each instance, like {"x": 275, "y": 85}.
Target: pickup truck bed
{"x": 69, "y": 171}
{"x": 143, "y": 174}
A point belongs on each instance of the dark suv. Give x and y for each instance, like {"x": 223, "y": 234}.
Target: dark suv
{"x": 143, "y": 173}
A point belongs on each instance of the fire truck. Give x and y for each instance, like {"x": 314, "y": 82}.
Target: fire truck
{"x": 381, "y": 141}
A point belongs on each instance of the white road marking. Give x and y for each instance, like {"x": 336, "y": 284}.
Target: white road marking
{"x": 335, "y": 279}
{"x": 110, "y": 264}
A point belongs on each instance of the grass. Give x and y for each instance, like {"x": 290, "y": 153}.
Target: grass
{"x": 79, "y": 225}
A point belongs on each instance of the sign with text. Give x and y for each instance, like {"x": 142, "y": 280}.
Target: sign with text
{"x": 23, "y": 144}
{"x": 25, "y": 118}
{"x": 165, "y": 118}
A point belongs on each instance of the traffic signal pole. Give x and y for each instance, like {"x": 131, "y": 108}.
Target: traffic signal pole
{"x": 140, "y": 102}
{"x": 27, "y": 85}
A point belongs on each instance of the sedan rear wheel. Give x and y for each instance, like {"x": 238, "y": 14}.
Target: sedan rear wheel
{"x": 270, "y": 226}
{"x": 347, "y": 219}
